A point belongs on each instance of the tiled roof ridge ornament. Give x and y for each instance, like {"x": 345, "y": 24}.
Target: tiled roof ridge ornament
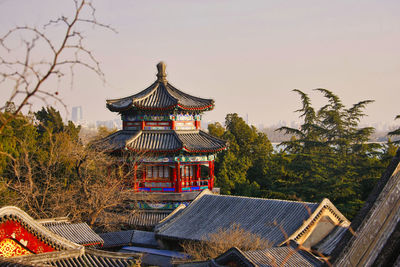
{"x": 161, "y": 74}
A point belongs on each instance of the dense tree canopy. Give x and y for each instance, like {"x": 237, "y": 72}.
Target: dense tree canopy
{"x": 47, "y": 171}
{"x": 327, "y": 156}
{"x": 237, "y": 168}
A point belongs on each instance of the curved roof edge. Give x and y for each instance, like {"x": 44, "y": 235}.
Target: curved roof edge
{"x": 325, "y": 205}
{"x": 14, "y": 213}
{"x": 160, "y": 96}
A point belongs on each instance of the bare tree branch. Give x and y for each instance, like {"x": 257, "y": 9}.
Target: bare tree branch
{"x": 30, "y": 76}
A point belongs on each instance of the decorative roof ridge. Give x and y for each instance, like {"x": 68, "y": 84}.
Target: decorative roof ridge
{"x": 44, "y": 258}
{"x": 199, "y": 196}
{"x": 238, "y": 252}
{"x": 156, "y": 85}
{"x": 114, "y": 254}
{"x": 182, "y": 145}
{"x": 314, "y": 217}
{"x": 173, "y": 213}
{"x": 54, "y": 220}
{"x": 259, "y": 198}
{"x": 194, "y": 131}
{"x": 15, "y": 213}
{"x": 54, "y": 255}
{"x": 158, "y": 131}
{"x": 133, "y": 138}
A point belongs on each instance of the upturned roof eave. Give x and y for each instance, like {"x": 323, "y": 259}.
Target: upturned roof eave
{"x": 170, "y": 94}
{"x": 134, "y": 107}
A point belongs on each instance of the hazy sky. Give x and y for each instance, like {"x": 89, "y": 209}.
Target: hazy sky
{"x": 246, "y": 55}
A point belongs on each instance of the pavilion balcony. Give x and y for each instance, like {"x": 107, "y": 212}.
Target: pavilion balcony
{"x": 170, "y": 186}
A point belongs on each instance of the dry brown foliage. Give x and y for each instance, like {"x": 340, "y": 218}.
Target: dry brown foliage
{"x": 72, "y": 180}
{"x": 224, "y": 239}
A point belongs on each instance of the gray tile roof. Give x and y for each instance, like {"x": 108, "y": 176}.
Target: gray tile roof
{"x": 144, "y": 238}
{"x": 115, "y": 141}
{"x": 79, "y": 233}
{"x": 282, "y": 256}
{"x": 286, "y": 256}
{"x": 147, "y": 219}
{"x": 155, "y": 141}
{"x": 89, "y": 259}
{"x": 80, "y": 257}
{"x": 162, "y": 141}
{"x": 117, "y": 239}
{"x": 272, "y": 220}
{"x": 129, "y": 238}
{"x": 161, "y": 95}
{"x": 199, "y": 141}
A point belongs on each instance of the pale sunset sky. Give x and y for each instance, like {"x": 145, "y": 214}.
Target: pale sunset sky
{"x": 247, "y": 55}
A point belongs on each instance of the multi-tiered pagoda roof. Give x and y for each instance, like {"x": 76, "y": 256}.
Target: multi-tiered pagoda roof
{"x": 164, "y": 141}
{"x": 161, "y": 124}
{"x": 161, "y": 96}
{"x": 162, "y": 119}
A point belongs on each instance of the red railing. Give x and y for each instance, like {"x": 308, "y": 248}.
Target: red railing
{"x": 170, "y": 186}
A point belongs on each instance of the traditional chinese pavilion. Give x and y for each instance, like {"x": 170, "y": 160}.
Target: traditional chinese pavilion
{"x": 161, "y": 125}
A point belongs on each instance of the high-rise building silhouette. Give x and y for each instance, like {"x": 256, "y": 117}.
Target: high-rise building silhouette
{"x": 76, "y": 114}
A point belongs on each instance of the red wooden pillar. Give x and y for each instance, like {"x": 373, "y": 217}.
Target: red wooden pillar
{"x": 197, "y": 124}
{"x": 211, "y": 169}
{"x": 173, "y": 125}
{"x": 135, "y": 183}
{"x": 198, "y": 174}
{"x": 178, "y": 183}
{"x": 142, "y": 125}
{"x": 174, "y": 177}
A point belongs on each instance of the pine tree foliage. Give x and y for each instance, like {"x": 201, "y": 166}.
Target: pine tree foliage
{"x": 239, "y": 169}
{"x": 395, "y": 132}
{"x": 328, "y": 156}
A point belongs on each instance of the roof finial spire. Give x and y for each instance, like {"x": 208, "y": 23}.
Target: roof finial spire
{"x": 162, "y": 76}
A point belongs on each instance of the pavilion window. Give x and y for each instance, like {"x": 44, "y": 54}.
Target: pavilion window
{"x": 160, "y": 171}
{"x": 166, "y": 172}
{"x": 149, "y": 172}
{"x": 187, "y": 171}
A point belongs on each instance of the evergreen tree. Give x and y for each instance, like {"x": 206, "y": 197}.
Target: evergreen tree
{"x": 242, "y": 166}
{"x": 329, "y": 155}
{"x": 395, "y": 132}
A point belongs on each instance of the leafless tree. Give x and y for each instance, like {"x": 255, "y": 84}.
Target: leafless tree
{"x": 70, "y": 179}
{"x": 222, "y": 240}
{"x": 45, "y": 58}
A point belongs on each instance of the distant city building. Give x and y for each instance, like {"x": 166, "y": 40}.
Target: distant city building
{"x": 76, "y": 115}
